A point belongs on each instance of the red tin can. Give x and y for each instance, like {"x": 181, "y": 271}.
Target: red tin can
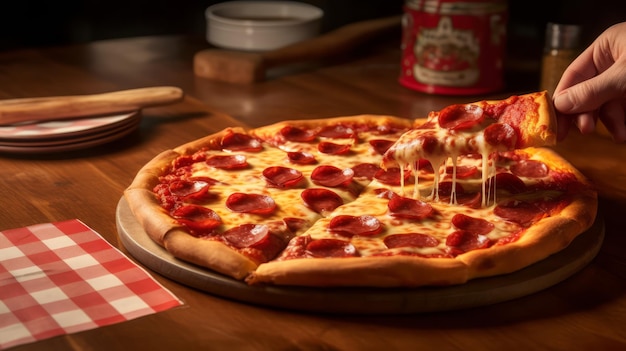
{"x": 453, "y": 47}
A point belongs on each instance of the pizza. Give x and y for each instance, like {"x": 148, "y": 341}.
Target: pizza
{"x": 470, "y": 191}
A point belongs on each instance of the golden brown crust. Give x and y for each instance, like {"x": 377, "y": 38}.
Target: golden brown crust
{"x": 270, "y": 131}
{"x": 152, "y": 217}
{"x": 208, "y": 253}
{"x": 143, "y": 202}
{"x": 388, "y": 271}
{"x": 209, "y": 142}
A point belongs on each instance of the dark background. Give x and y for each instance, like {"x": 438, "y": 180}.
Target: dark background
{"x": 30, "y": 23}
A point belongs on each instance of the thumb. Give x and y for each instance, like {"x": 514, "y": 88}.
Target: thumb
{"x": 590, "y": 94}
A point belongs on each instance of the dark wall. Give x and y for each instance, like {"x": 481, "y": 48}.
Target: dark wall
{"x": 25, "y": 23}
{"x": 41, "y": 23}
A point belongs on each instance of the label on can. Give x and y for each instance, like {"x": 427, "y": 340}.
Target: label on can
{"x": 452, "y": 47}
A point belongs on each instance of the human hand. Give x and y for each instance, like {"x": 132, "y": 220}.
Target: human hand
{"x": 594, "y": 87}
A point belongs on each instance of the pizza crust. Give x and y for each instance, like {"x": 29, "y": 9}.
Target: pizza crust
{"x": 388, "y": 271}
{"x": 272, "y": 131}
{"x": 208, "y": 253}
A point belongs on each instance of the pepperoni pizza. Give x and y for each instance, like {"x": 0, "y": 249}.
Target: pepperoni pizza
{"x": 360, "y": 201}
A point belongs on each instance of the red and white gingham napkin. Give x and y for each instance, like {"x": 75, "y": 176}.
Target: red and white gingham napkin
{"x": 63, "y": 277}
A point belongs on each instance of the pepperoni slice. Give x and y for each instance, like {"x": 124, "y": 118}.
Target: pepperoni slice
{"x": 463, "y": 172}
{"x": 404, "y": 207}
{"x": 193, "y": 188}
{"x": 227, "y": 161}
{"x": 425, "y": 166}
{"x": 346, "y": 225}
{"x": 331, "y": 176}
{"x": 246, "y": 235}
{"x": 522, "y": 213}
{"x": 391, "y": 176}
{"x": 301, "y": 158}
{"x": 530, "y": 169}
{"x": 431, "y": 144}
{"x": 294, "y": 224}
{"x": 510, "y": 182}
{"x": 197, "y": 218}
{"x": 322, "y": 248}
{"x": 250, "y": 203}
{"x": 470, "y": 200}
{"x": 380, "y": 145}
{"x": 329, "y": 148}
{"x": 445, "y": 188}
{"x": 183, "y": 161}
{"x": 459, "y": 117}
{"x": 241, "y": 142}
{"x": 365, "y": 170}
{"x": 321, "y": 200}
{"x": 337, "y": 131}
{"x": 296, "y": 134}
{"x": 462, "y": 241}
{"x": 499, "y": 134}
{"x": 260, "y": 242}
{"x": 384, "y": 193}
{"x": 282, "y": 177}
{"x": 386, "y": 129}
{"x": 472, "y": 224}
{"x": 410, "y": 240}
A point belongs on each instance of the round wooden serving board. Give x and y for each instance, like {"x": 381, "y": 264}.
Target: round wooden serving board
{"x": 478, "y": 292}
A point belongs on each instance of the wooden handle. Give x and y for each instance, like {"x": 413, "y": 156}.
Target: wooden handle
{"x": 65, "y": 107}
{"x": 248, "y": 67}
{"x": 335, "y": 42}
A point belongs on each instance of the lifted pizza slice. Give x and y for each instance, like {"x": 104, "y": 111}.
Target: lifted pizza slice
{"x": 482, "y": 128}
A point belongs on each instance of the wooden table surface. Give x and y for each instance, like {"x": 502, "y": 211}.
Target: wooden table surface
{"x": 586, "y": 311}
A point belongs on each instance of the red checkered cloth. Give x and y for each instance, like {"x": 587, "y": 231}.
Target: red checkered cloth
{"x": 63, "y": 277}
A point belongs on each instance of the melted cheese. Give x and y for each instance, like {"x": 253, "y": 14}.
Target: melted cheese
{"x": 439, "y": 147}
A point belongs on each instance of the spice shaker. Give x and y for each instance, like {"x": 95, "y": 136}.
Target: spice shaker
{"x": 561, "y": 47}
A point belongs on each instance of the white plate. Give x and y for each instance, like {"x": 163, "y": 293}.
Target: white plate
{"x": 65, "y": 128}
{"x": 69, "y": 144}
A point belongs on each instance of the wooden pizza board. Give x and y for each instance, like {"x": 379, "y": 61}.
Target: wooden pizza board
{"x": 478, "y": 292}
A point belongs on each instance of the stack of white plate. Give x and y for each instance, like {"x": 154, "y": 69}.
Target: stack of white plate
{"x": 66, "y": 135}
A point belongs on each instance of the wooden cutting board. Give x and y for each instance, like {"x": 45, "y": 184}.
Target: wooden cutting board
{"x": 479, "y": 292}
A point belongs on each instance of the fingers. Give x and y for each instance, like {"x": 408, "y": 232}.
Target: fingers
{"x": 563, "y": 124}
{"x": 585, "y": 122}
{"x": 581, "y": 69}
{"x": 614, "y": 119}
{"x": 594, "y": 86}
{"x": 589, "y": 95}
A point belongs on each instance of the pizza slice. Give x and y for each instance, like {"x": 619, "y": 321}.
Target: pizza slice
{"x": 482, "y": 128}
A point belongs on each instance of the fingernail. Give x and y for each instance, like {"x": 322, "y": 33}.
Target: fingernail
{"x": 562, "y": 102}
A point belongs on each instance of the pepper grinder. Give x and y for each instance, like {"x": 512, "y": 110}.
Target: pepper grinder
{"x": 560, "y": 49}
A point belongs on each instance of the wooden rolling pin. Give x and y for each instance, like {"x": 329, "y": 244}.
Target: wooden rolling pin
{"x": 40, "y": 109}
{"x": 249, "y": 67}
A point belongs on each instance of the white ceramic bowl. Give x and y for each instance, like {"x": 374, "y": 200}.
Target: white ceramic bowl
{"x": 261, "y": 25}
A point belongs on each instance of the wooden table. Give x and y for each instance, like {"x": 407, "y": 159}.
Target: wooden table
{"x": 586, "y": 311}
